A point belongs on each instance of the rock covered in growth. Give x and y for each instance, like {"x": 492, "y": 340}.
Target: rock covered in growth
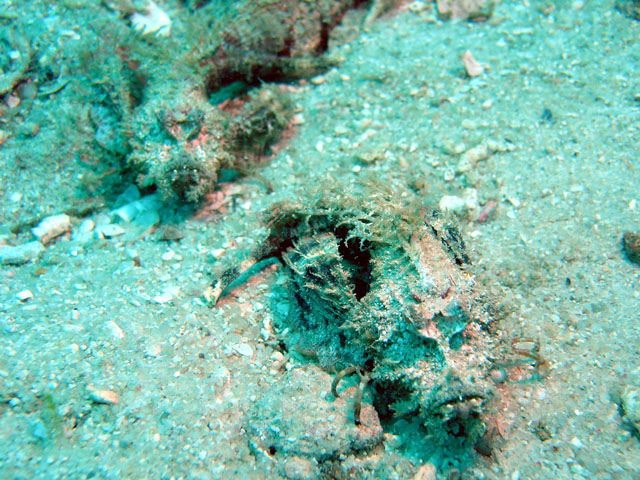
{"x": 381, "y": 285}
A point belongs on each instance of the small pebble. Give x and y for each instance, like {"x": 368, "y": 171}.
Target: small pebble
{"x": 575, "y": 441}
{"x": 86, "y": 226}
{"x": 168, "y": 255}
{"x": 24, "y": 295}
{"x": 109, "y": 231}
{"x": 498, "y": 375}
{"x": 243, "y": 349}
{"x": 39, "y": 431}
{"x": 163, "y": 298}
{"x": 153, "y": 351}
{"x": 473, "y": 68}
{"x": 104, "y": 397}
{"x": 114, "y": 329}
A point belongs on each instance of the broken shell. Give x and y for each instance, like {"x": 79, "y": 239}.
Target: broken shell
{"x": 104, "y": 397}
{"x": 109, "y": 231}
{"x": 24, "y": 295}
{"x": 472, "y": 67}
{"x": 51, "y": 227}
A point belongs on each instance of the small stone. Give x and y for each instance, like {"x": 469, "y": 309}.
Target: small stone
{"x": 24, "y": 295}
{"x": 243, "y": 349}
{"x": 165, "y": 297}
{"x": 39, "y": 431}
{"x": 167, "y": 256}
{"x": 86, "y": 226}
{"x": 449, "y": 174}
{"x": 51, "y": 227}
{"x": 153, "y": 351}
{"x": 451, "y": 203}
{"x": 104, "y": 397}
{"x": 20, "y": 254}
{"x": 472, "y": 156}
{"x": 426, "y": 472}
{"x": 109, "y": 231}
{"x": 473, "y": 68}
{"x": 498, "y": 375}
{"x": 576, "y": 442}
{"x": 13, "y": 101}
{"x": 114, "y": 329}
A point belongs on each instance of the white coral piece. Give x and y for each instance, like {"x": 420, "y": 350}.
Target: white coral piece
{"x": 153, "y": 20}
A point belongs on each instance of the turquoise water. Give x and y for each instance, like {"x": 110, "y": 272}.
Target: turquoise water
{"x": 152, "y": 154}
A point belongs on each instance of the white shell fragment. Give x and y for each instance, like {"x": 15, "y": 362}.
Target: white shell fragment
{"x": 51, "y": 227}
{"x": 473, "y": 68}
{"x": 24, "y": 295}
{"x": 114, "y": 329}
{"x": 105, "y": 397}
{"x": 243, "y": 349}
{"x": 153, "y": 21}
{"x": 453, "y": 203}
{"x": 109, "y": 231}
{"x": 153, "y": 351}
